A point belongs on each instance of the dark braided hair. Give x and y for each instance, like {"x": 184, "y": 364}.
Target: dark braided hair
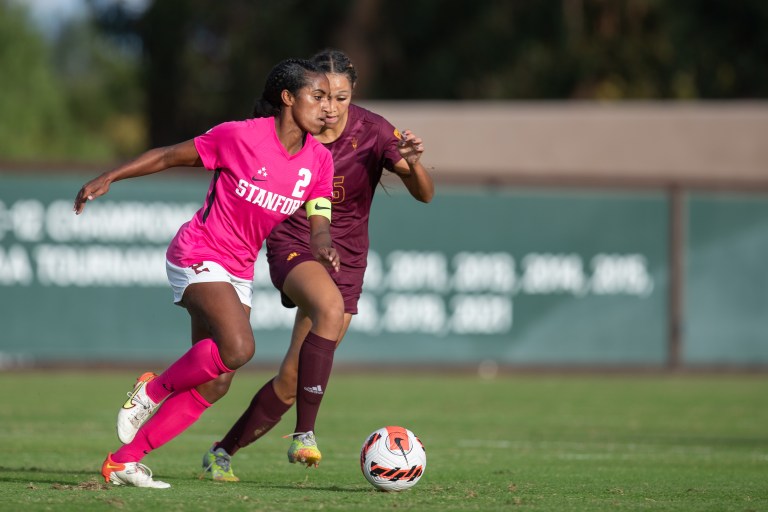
{"x": 290, "y": 75}
{"x": 331, "y": 60}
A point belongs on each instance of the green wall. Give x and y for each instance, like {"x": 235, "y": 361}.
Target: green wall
{"x": 727, "y": 276}
{"x": 518, "y": 277}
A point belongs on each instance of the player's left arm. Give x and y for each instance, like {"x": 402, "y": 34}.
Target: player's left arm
{"x": 410, "y": 170}
{"x": 320, "y": 243}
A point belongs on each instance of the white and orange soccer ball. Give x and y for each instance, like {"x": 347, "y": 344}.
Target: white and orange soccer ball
{"x": 393, "y": 459}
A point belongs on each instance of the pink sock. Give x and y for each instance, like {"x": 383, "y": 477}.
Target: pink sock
{"x": 315, "y": 364}
{"x": 200, "y": 364}
{"x": 172, "y": 418}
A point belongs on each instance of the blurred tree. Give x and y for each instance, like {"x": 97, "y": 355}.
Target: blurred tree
{"x": 34, "y": 119}
{"x": 104, "y": 89}
{"x": 74, "y": 99}
{"x": 205, "y": 62}
{"x": 588, "y": 49}
{"x": 721, "y": 48}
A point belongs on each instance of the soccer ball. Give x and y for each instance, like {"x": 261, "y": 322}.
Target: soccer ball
{"x": 393, "y": 459}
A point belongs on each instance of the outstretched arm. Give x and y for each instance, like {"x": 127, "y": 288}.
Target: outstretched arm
{"x": 155, "y": 160}
{"x": 410, "y": 170}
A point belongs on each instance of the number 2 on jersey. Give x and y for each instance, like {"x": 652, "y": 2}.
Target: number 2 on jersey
{"x": 298, "y": 190}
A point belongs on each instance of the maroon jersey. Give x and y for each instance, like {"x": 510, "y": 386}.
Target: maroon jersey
{"x": 366, "y": 147}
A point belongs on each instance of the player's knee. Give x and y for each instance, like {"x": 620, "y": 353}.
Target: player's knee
{"x": 215, "y": 389}
{"x": 330, "y": 315}
{"x": 237, "y": 353}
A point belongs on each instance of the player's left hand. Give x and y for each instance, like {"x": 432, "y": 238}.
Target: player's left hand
{"x": 410, "y": 146}
{"x": 329, "y": 258}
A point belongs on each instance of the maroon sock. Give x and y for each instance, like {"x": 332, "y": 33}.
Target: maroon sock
{"x": 315, "y": 363}
{"x": 265, "y": 412}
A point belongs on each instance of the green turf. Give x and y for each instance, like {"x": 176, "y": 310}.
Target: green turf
{"x": 540, "y": 443}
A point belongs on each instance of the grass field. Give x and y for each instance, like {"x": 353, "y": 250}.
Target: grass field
{"x": 540, "y": 443}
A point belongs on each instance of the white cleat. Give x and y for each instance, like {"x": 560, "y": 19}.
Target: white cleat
{"x": 136, "y": 410}
{"x": 130, "y": 473}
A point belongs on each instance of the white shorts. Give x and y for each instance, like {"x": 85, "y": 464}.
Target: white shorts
{"x": 205, "y": 272}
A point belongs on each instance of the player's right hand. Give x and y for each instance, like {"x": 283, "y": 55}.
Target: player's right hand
{"x": 90, "y": 191}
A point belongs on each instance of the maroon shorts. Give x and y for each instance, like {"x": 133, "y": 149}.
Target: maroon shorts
{"x": 349, "y": 281}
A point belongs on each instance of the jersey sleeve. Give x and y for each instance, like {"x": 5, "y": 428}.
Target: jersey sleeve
{"x": 215, "y": 145}
{"x": 389, "y": 139}
{"x": 324, "y": 185}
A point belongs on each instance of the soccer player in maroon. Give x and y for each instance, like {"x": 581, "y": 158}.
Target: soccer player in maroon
{"x": 362, "y": 144}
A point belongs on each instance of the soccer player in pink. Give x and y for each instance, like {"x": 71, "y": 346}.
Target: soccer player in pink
{"x": 363, "y": 144}
{"x": 264, "y": 170}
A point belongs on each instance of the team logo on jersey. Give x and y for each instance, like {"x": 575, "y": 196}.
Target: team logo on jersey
{"x": 354, "y": 142}
{"x": 291, "y": 256}
{"x": 261, "y": 175}
{"x": 199, "y": 268}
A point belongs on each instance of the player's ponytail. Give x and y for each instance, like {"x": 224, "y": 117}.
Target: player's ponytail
{"x": 289, "y": 75}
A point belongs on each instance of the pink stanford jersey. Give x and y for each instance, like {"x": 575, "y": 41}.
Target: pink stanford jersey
{"x": 256, "y": 185}
{"x": 366, "y": 147}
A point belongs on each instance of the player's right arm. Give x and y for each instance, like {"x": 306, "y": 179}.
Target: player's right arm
{"x": 155, "y": 160}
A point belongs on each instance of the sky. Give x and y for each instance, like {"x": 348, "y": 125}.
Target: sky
{"x": 48, "y": 14}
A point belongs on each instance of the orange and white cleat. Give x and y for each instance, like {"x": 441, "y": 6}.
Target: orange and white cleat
{"x": 130, "y": 473}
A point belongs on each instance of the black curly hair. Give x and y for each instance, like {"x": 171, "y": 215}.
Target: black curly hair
{"x": 290, "y": 75}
